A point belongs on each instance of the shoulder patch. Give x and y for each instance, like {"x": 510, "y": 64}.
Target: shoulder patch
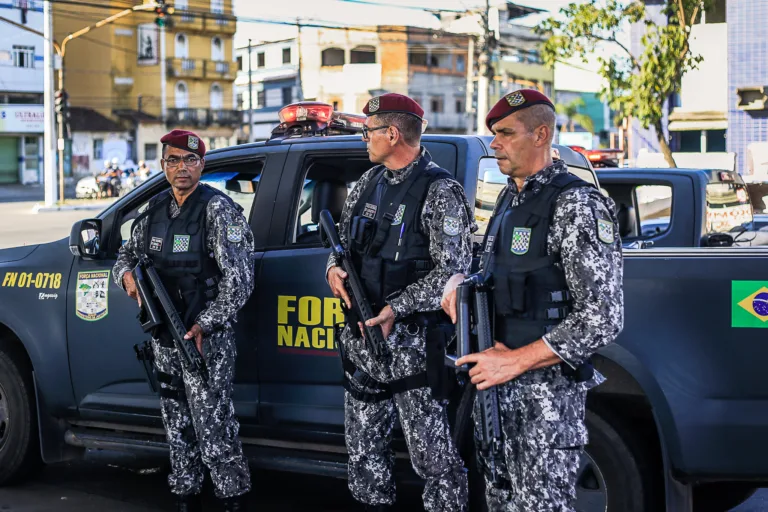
{"x": 451, "y": 226}
{"x": 234, "y": 233}
{"x": 605, "y": 231}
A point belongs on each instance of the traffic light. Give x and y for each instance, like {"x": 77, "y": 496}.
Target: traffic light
{"x": 162, "y": 14}
{"x": 61, "y": 99}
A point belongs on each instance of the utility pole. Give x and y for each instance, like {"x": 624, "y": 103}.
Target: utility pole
{"x": 486, "y": 70}
{"x": 299, "y": 85}
{"x": 470, "y": 96}
{"x": 49, "y": 144}
{"x": 250, "y": 94}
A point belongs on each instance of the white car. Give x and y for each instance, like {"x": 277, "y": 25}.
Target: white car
{"x": 87, "y": 188}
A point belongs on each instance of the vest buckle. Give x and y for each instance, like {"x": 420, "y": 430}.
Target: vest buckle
{"x": 559, "y": 296}
{"x": 556, "y": 313}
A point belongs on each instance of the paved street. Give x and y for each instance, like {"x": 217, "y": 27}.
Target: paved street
{"x": 21, "y": 226}
{"x": 91, "y": 487}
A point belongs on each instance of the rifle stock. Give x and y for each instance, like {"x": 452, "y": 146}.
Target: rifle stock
{"x": 361, "y": 306}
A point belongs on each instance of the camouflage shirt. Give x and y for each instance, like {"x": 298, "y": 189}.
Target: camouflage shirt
{"x": 593, "y": 268}
{"x": 450, "y": 254}
{"x": 233, "y": 258}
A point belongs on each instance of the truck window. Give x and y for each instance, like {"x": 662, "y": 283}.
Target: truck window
{"x": 490, "y": 183}
{"x": 326, "y": 184}
{"x": 240, "y": 185}
{"x": 728, "y": 206}
{"x": 654, "y": 208}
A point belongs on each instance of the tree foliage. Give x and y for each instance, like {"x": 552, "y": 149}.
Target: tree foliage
{"x": 636, "y": 85}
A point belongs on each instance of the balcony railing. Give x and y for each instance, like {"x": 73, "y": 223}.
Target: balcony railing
{"x": 188, "y": 21}
{"x": 218, "y": 69}
{"x": 204, "y": 22}
{"x": 203, "y": 117}
{"x": 186, "y": 68}
{"x": 199, "y": 68}
{"x": 220, "y": 23}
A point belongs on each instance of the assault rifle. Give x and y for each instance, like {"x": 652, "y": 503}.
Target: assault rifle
{"x": 361, "y": 310}
{"x": 157, "y": 310}
{"x": 474, "y": 318}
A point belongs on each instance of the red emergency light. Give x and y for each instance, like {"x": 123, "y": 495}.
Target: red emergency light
{"x": 313, "y": 118}
{"x": 306, "y": 111}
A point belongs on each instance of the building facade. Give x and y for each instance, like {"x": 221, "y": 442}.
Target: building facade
{"x": 158, "y": 78}
{"x": 21, "y": 94}
{"x": 346, "y": 68}
{"x": 274, "y": 83}
{"x": 747, "y": 22}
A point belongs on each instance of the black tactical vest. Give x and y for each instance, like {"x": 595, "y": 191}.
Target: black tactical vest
{"x": 387, "y": 245}
{"x": 530, "y": 293}
{"x": 179, "y": 251}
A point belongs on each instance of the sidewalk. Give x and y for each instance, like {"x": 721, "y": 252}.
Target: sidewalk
{"x": 28, "y": 193}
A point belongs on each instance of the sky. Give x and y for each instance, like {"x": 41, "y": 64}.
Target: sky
{"x": 356, "y": 12}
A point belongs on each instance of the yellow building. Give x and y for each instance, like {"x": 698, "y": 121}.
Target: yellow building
{"x": 147, "y": 79}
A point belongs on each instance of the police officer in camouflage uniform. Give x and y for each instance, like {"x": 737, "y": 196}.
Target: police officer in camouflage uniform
{"x": 555, "y": 263}
{"x": 201, "y": 245}
{"x": 408, "y": 226}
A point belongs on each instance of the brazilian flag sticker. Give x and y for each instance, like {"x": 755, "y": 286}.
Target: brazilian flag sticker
{"x": 749, "y": 303}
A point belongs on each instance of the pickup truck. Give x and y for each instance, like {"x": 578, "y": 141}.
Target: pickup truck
{"x": 679, "y": 423}
{"x": 682, "y": 207}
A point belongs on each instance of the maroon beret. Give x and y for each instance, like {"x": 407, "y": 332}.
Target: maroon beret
{"x": 391, "y": 103}
{"x": 188, "y": 141}
{"x": 515, "y": 101}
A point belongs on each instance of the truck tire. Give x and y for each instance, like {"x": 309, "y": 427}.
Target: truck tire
{"x": 609, "y": 479}
{"x": 19, "y": 445}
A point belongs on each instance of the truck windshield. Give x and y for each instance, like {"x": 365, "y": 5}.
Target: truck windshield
{"x": 728, "y": 206}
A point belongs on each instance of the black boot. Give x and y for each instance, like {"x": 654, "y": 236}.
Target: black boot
{"x": 190, "y": 503}
{"x": 234, "y": 504}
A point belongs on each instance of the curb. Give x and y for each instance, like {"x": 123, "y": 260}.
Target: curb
{"x": 39, "y": 208}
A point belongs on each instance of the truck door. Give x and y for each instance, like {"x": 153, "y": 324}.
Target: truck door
{"x": 102, "y": 328}
{"x": 299, "y": 366}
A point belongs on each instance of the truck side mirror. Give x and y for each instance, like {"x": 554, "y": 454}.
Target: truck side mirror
{"x": 85, "y": 239}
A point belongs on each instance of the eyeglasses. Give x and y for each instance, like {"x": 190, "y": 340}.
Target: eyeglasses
{"x": 367, "y": 130}
{"x": 189, "y": 161}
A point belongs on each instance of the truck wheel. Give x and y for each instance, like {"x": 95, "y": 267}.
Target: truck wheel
{"x": 609, "y": 477}
{"x": 19, "y": 446}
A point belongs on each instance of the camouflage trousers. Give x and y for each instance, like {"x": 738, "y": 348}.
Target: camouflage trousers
{"x": 424, "y": 420}
{"x": 543, "y": 437}
{"x": 201, "y": 427}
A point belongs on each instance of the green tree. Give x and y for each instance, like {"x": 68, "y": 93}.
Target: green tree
{"x": 637, "y": 86}
{"x": 571, "y": 111}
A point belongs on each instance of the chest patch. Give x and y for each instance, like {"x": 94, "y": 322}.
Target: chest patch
{"x": 605, "y": 231}
{"x": 156, "y": 244}
{"x": 451, "y": 226}
{"x": 399, "y": 215}
{"x": 181, "y": 243}
{"x": 521, "y": 240}
{"x": 234, "y": 233}
{"x": 370, "y": 210}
